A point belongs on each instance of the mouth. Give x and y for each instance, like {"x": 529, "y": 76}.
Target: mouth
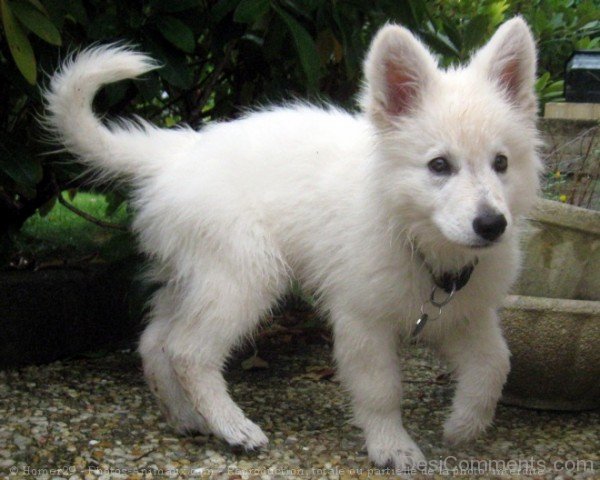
{"x": 482, "y": 245}
{"x": 476, "y": 245}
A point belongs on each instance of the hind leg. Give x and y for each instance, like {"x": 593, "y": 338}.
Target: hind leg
{"x": 221, "y": 306}
{"x": 159, "y": 373}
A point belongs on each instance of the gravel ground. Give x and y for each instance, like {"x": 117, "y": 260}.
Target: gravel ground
{"x": 94, "y": 417}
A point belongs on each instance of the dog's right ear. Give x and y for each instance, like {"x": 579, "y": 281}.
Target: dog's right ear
{"x": 398, "y": 69}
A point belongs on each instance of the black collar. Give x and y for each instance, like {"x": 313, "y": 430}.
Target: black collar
{"x": 452, "y": 280}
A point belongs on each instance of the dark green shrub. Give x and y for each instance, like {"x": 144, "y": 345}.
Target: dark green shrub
{"x": 223, "y": 56}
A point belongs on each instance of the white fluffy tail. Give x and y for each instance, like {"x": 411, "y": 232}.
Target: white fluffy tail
{"x": 113, "y": 149}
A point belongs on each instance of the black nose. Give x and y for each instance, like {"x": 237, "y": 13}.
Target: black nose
{"x": 489, "y": 225}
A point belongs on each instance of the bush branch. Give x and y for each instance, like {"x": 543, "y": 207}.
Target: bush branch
{"x": 89, "y": 217}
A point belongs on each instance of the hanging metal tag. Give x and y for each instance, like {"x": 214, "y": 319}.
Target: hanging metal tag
{"x": 424, "y": 318}
{"x": 420, "y": 325}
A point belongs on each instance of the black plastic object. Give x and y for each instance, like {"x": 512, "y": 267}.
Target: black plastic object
{"x": 49, "y": 314}
{"x": 582, "y": 77}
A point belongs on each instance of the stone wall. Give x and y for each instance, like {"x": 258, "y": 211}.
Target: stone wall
{"x": 572, "y": 158}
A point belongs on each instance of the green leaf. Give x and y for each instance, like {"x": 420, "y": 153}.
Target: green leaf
{"x": 249, "y": 11}
{"x": 37, "y": 22}
{"x": 408, "y": 13}
{"x": 475, "y": 32}
{"x": 221, "y": 9}
{"x": 116, "y": 92}
{"x": 19, "y": 164}
{"x": 305, "y": 46}
{"x": 39, "y": 6}
{"x": 556, "y": 87}
{"x": 18, "y": 43}
{"x": 177, "y": 32}
{"x": 113, "y": 201}
{"x": 453, "y": 34}
{"x": 175, "y": 69}
{"x": 77, "y": 11}
{"x": 440, "y": 43}
{"x": 103, "y": 25}
{"x": 150, "y": 87}
{"x": 496, "y": 12}
{"x": 542, "y": 81}
{"x": 176, "y": 5}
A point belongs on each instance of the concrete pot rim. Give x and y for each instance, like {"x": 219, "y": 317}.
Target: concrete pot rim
{"x": 564, "y": 215}
{"x": 559, "y": 305}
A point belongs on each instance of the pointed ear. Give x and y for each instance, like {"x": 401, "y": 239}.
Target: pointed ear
{"x": 398, "y": 69}
{"x": 509, "y": 60}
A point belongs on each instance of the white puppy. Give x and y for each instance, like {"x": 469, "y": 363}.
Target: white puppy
{"x": 370, "y": 211}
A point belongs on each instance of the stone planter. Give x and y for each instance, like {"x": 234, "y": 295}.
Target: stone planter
{"x": 553, "y": 325}
{"x": 561, "y": 253}
{"x": 555, "y": 346}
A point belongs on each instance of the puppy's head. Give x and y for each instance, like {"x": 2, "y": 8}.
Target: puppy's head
{"x": 457, "y": 155}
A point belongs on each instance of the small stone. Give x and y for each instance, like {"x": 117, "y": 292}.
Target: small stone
{"x": 20, "y": 441}
{"x": 98, "y": 454}
{"x": 244, "y": 465}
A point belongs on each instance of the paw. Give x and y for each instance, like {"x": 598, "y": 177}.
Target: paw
{"x": 462, "y": 427}
{"x": 241, "y": 433}
{"x": 184, "y": 420}
{"x": 189, "y": 425}
{"x": 399, "y": 453}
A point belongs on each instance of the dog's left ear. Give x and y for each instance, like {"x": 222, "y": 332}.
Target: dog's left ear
{"x": 509, "y": 60}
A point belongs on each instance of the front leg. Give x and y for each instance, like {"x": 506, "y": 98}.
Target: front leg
{"x": 480, "y": 357}
{"x": 369, "y": 369}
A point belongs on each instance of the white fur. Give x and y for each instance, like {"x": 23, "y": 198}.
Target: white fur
{"x": 343, "y": 203}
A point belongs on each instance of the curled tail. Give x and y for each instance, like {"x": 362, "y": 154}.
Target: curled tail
{"x": 112, "y": 149}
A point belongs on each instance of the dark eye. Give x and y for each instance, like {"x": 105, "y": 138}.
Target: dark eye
{"x": 500, "y": 163}
{"x": 440, "y": 166}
